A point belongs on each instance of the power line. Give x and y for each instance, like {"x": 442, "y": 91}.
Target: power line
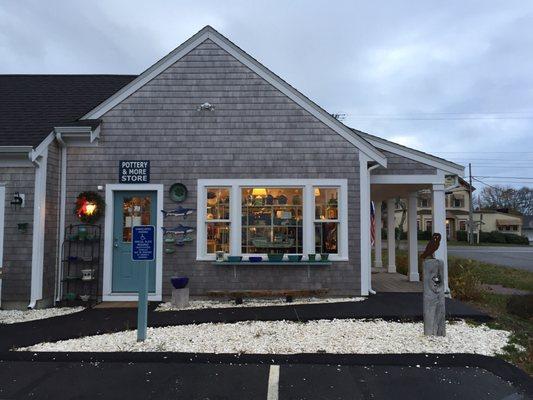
{"x": 504, "y": 177}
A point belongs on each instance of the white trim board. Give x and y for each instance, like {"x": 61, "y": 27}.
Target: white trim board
{"x": 107, "y": 293}
{"x": 415, "y": 155}
{"x": 407, "y": 179}
{"x": 39, "y": 217}
{"x": 210, "y": 33}
{"x": 307, "y": 185}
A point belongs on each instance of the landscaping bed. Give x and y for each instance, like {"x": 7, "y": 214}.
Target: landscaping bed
{"x": 512, "y": 312}
{"x": 16, "y": 316}
{"x": 287, "y": 337}
{"x": 205, "y": 304}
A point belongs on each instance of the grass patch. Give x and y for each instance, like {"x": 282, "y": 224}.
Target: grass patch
{"x": 465, "y": 279}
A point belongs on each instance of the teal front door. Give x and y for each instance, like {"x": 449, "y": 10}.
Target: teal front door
{"x": 131, "y": 209}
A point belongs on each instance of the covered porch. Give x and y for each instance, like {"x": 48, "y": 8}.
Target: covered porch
{"x": 385, "y": 191}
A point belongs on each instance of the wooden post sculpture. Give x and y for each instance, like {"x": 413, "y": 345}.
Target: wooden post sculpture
{"x": 434, "y": 302}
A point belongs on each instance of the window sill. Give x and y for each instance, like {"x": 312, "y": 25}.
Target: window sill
{"x": 276, "y": 263}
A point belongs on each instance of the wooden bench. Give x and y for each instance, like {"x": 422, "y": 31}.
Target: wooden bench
{"x": 239, "y": 295}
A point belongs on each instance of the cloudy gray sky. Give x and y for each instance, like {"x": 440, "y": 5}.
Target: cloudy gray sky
{"x": 453, "y": 78}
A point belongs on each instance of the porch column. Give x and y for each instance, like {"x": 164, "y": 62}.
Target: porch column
{"x": 412, "y": 231}
{"x": 378, "y": 262}
{"x": 439, "y": 226}
{"x": 391, "y": 244}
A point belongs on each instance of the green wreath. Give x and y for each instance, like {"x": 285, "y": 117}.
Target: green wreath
{"x": 89, "y": 207}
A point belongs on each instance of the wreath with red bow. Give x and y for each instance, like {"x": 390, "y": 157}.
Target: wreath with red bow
{"x": 89, "y": 207}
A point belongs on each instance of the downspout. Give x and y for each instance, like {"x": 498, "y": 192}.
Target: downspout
{"x": 39, "y": 198}
{"x": 58, "y": 289}
{"x": 370, "y": 290}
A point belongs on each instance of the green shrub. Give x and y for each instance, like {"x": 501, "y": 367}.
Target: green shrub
{"x": 521, "y": 306}
{"x": 463, "y": 281}
{"x": 462, "y": 236}
{"x": 492, "y": 237}
{"x": 512, "y": 238}
{"x": 424, "y": 235}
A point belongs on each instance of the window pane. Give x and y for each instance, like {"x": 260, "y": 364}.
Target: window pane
{"x": 135, "y": 211}
{"x": 217, "y": 203}
{"x": 217, "y": 237}
{"x": 326, "y": 237}
{"x": 272, "y": 220}
{"x": 326, "y": 203}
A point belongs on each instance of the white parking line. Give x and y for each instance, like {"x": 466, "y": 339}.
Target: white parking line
{"x": 273, "y": 383}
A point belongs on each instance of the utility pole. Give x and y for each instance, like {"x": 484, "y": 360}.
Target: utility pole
{"x": 471, "y": 208}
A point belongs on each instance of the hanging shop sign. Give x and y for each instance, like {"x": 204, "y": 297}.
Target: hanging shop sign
{"x": 134, "y": 171}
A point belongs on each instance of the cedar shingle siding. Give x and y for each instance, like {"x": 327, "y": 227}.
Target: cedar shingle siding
{"x": 17, "y": 245}
{"x": 398, "y": 165}
{"x": 255, "y": 131}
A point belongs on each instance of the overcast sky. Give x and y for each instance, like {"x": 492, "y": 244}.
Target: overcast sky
{"x": 453, "y": 78}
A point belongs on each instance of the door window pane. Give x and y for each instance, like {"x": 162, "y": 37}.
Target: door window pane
{"x": 135, "y": 211}
{"x": 272, "y": 220}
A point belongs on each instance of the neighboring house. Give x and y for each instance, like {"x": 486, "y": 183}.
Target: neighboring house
{"x": 266, "y": 170}
{"x": 457, "y": 208}
{"x": 501, "y": 220}
{"x": 527, "y": 227}
{"x": 457, "y": 213}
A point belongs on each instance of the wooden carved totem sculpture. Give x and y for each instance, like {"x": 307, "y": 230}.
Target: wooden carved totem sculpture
{"x": 434, "y": 301}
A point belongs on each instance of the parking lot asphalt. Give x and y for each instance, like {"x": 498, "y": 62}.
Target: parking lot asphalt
{"x": 206, "y": 380}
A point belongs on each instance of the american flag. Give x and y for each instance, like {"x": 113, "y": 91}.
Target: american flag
{"x": 372, "y": 223}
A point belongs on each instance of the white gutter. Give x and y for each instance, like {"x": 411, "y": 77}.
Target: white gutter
{"x": 58, "y": 291}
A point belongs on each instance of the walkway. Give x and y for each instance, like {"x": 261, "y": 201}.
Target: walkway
{"x": 382, "y": 281}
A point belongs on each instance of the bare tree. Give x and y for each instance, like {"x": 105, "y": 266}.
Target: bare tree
{"x": 494, "y": 197}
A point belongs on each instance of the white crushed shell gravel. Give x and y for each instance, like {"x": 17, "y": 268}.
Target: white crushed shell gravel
{"x": 284, "y": 337}
{"x": 201, "y": 304}
{"x": 15, "y": 316}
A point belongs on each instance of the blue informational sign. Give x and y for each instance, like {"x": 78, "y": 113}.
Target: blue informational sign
{"x": 143, "y": 243}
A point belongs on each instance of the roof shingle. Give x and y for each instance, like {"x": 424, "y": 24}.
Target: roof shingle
{"x": 31, "y": 105}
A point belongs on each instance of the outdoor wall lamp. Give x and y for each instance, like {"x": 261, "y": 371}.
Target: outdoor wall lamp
{"x": 19, "y": 199}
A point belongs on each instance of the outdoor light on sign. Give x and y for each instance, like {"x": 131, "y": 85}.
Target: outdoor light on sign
{"x": 134, "y": 171}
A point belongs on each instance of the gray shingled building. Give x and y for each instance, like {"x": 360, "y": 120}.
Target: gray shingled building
{"x": 265, "y": 170}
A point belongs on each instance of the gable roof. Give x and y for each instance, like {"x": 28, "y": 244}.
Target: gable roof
{"x": 31, "y": 105}
{"x": 412, "y": 154}
{"x": 209, "y": 33}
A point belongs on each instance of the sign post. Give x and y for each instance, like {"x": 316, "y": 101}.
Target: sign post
{"x": 142, "y": 249}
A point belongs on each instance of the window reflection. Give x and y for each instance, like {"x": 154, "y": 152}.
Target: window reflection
{"x": 135, "y": 212}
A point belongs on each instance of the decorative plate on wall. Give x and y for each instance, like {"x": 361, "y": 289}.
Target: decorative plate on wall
{"x": 178, "y": 192}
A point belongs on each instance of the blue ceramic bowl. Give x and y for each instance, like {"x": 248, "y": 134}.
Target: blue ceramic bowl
{"x": 255, "y": 259}
{"x": 179, "y": 282}
{"x": 234, "y": 259}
